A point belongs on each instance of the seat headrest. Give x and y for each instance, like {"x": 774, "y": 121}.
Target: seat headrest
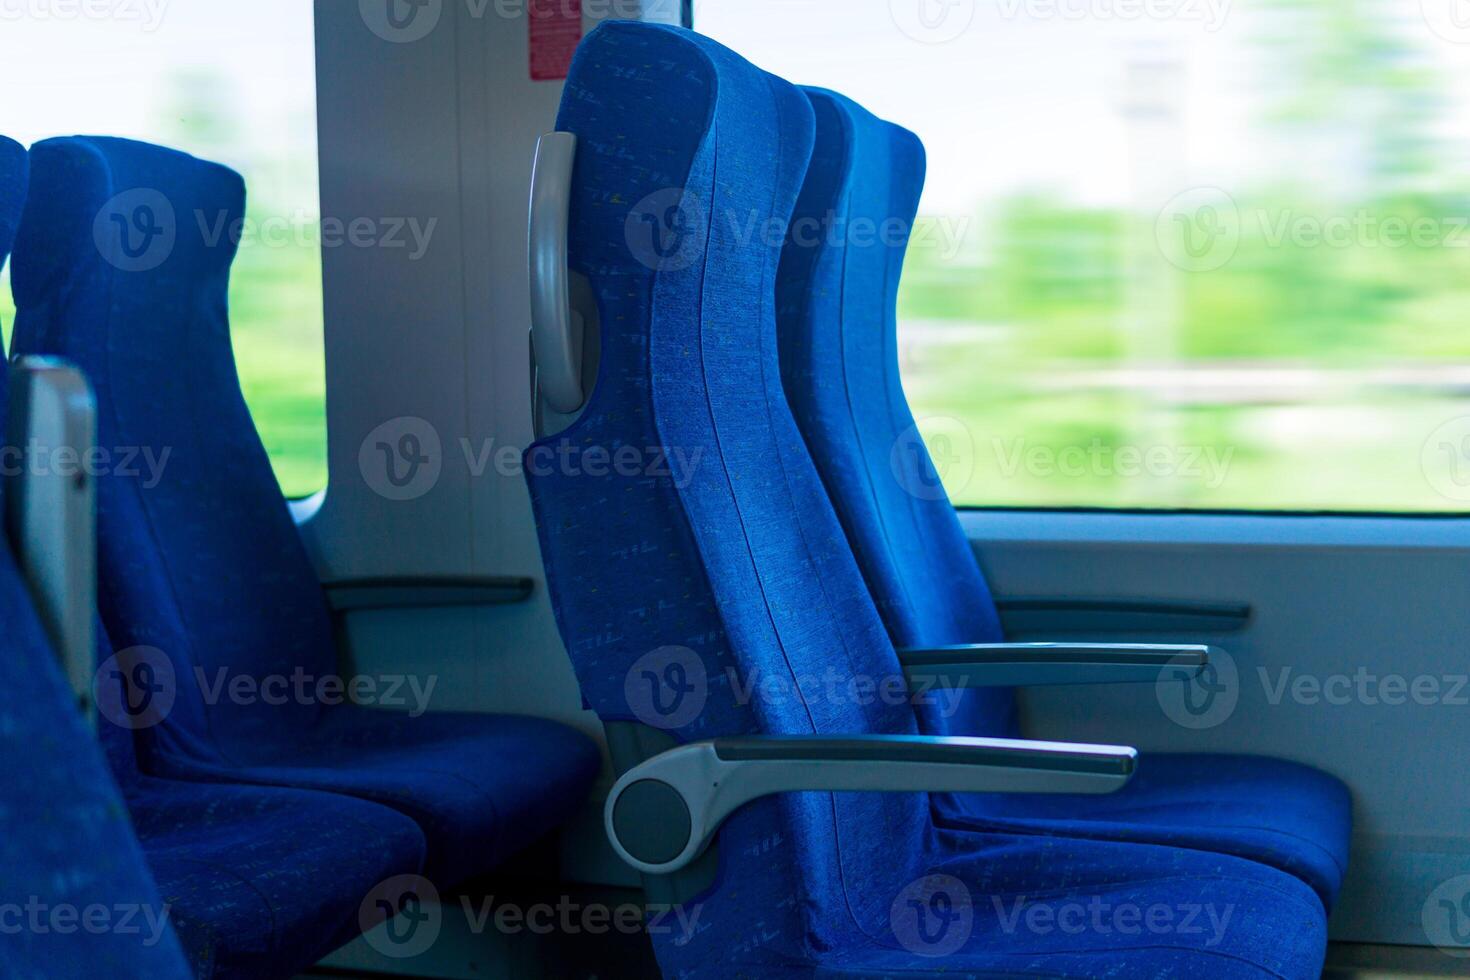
{"x": 100, "y": 204}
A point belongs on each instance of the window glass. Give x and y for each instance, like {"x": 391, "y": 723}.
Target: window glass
{"x": 230, "y": 82}
{"x": 1179, "y": 253}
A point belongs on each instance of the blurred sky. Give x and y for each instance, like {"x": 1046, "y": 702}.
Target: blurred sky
{"x": 122, "y": 76}
{"x": 1017, "y": 102}
{"x": 1022, "y": 101}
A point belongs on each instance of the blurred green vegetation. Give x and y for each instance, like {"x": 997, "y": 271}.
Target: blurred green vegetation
{"x": 1319, "y": 356}
{"x": 1059, "y": 345}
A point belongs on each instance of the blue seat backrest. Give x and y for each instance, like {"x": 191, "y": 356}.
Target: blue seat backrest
{"x": 702, "y": 582}
{"x": 77, "y": 898}
{"x": 123, "y": 267}
{"x": 14, "y": 177}
{"x": 840, "y": 363}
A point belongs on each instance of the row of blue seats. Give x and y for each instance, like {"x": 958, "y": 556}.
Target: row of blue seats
{"x": 261, "y": 827}
{"x": 802, "y": 544}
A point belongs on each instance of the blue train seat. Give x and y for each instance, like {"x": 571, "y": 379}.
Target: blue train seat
{"x": 250, "y": 881}
{"x": 840, "y": 367}
{"x": 122, "y": 266}
{"x": 713, "y": 600}
{"x": 66, "y": 847}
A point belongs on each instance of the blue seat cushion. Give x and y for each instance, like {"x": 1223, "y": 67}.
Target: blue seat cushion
{"x": 1281, "y": 813}
{"x": 482, "y": 787}
{"x": 206, "y": 564}
{"x": 1003, "y": 906}
{"x": 261, "y": 881}
{"x": 264, "y": 882}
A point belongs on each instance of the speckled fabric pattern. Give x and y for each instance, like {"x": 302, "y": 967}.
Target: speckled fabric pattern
{"x": 15, "y": 173}
{"x": 840, "y": 367}
{"x": 122, "y": 266}
{"x": 716, "y": 598}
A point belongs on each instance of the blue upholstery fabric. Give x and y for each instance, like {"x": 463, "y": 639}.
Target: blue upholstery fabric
{"x": 840, "y": 366}
{"x": 206, "y": 565}
{"x": 15, "y": 172}
{"x": 727, "y": 584}
{"x": 260, "y": 881}
{"x": 66, "y": 849}
{"x": 250, "y": 881}
{"x": 66, "y": 846}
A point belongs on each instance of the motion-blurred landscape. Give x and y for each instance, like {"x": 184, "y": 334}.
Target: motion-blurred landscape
{"x": 1168, "y": 263}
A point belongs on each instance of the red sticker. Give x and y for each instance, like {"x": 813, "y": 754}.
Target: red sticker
{"x": 556, "y": 30}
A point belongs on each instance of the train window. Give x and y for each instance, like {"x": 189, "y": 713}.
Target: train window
{"x": 233, "y": 83}
{"x": 1192, "y": 254}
